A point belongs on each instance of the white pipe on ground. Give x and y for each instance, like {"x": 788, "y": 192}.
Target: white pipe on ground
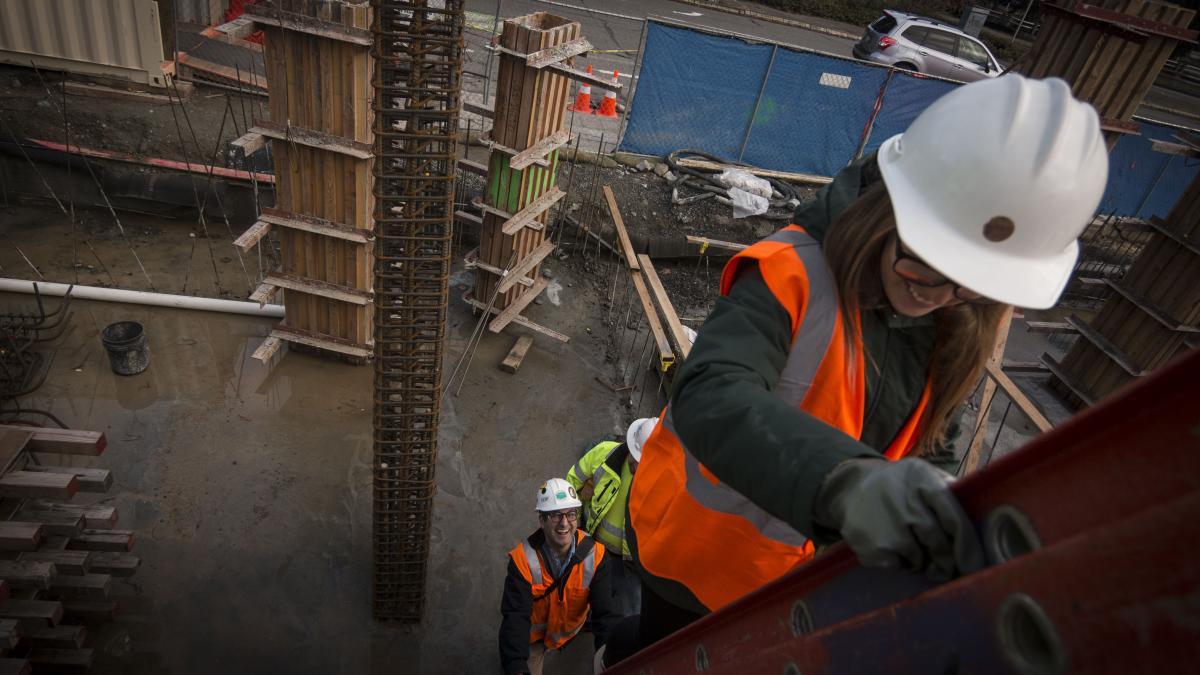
{"x": 143, "y": 298}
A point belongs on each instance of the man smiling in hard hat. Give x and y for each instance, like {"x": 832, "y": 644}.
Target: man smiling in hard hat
{"x": 554, "y": 577}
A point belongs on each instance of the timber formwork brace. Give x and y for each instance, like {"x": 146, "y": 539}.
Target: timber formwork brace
{"x": 418, "y": 50}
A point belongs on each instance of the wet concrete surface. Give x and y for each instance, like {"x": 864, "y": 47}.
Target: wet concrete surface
{"x": 249, "y": 488}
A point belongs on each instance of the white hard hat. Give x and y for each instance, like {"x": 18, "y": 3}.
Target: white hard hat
{"x": 557, "y": 494}
{"x": 637, "y": 434}
{"x": 993, "y": 183}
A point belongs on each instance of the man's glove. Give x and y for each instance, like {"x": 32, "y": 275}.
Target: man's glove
{"x": 899, "y": 515}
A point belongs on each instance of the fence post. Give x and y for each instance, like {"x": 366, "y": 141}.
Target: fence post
{"x": 758, "y": 102}
{"x": 866, "y": 134}
{"x": 633, "y": 78}
{"x": 1138, "y": 213}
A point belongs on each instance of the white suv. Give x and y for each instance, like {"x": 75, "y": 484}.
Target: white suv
{"x": 921, "y": 44}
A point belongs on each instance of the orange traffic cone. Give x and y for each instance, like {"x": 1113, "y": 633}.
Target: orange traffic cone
{"x": 608, "y": 107}
{"x": 583, "y": 97}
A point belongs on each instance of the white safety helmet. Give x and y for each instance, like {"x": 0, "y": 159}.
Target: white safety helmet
{"x": 557, "y": 494}
{"x": 637, "y": 434}
{"x": 994, "y": 182}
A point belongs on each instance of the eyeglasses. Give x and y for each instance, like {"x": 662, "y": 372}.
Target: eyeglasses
{"x": 559, "y": 516}
{"x": 916, "y": 271}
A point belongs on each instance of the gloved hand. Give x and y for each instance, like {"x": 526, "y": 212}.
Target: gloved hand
{"x": 899, "y": 515}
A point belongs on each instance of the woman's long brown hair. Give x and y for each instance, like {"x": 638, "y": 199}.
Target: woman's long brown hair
{"x": 965, "y": 334}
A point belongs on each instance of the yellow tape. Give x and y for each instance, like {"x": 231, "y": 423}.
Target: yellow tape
{"x": 703, "y": 245}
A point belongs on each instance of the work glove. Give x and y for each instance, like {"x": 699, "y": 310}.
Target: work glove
{"x": 899, "y": 515}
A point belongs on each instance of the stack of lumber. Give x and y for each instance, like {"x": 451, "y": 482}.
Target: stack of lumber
{"x": 57, "y": 558}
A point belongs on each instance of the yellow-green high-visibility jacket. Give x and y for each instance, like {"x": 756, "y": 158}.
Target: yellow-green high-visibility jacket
{"x": 604, "y": 514}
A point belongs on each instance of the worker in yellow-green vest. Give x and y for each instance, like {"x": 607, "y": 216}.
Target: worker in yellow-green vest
{"x": 602, "y": 477}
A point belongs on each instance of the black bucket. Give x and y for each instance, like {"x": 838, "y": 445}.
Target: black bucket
{"x": 128, "y": 353}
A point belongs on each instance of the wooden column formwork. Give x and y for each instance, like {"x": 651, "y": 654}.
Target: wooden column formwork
{"x": 319, "y": 65}
{"x": 1152, "y": 315}
{"x": 1110, "y": 51}
{"x": 530, "y": 105}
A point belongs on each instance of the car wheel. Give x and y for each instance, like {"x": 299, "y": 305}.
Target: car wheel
{"x": 906, "y": 66}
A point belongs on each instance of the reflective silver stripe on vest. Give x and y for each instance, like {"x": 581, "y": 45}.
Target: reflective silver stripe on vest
{"x": 617, "y": 533}
{"x": 535, "y": 565}
{"x": 579, "y": 474}
{"x": 589, "y": 569}
{"x": 816, "y": 327}
{"x": 565, "y": 635}
{"x": 535, "y": 627}
{"x": 812, "y": 340}
{"x": 724, "y": 499}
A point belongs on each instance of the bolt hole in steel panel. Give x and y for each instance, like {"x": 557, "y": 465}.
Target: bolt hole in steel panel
{"x": 1009, "y": 533}
{"x": 1028, "y": 640}
{"x": 802, "y": 621}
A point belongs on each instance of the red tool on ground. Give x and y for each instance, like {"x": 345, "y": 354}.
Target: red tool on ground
{"x": 1091, "y": 532}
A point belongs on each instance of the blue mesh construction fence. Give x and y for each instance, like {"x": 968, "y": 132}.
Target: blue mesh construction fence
{"x": 793, "y": 110}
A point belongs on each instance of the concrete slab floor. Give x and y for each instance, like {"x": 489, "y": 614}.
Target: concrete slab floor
{"x": 249, "y": 489}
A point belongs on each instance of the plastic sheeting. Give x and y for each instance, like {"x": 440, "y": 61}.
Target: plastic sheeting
{"x": 791, "y": 110}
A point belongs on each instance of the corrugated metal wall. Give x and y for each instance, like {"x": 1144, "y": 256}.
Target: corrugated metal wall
{"x": 200, "y": 12}
{"x": 111, "y": 38}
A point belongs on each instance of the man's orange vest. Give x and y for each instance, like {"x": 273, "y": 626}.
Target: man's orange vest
{"x": 699, "y": 532}
{"x": 559, "y": 615}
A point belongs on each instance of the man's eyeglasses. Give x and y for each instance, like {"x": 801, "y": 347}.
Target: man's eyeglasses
{"x": 916, "y": 271}
{"x": 559, "y": 516}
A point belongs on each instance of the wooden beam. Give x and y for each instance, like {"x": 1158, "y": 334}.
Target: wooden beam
{"x": 301, "y": 23}
{"x": 263, "y": 294}
{"x": 329, "y": 228}
{"x": 1024, "y": 367}
{"x": 1049, "y": 327}
{"x": 15, "y": 666}
{"x": 325, "y": 342}
{"x": 27, "y": 573}
{"x": 60, "y": 523}
{"x": 705, "y": 243}
{"x": 10, "y": 635}
{"x": 678, "y": 335}
{"x": 514, "y": 308}
{"x": 267, "y": 349}
{"x": 477, "y": 110}
{"x": 321, "y": 288}
{"x": 12, "y": 442}
{"x": 32, "y": 612}
{"x": 239, "y": 80}
{"x": 90, "y": 479}
{"x": 1157, "y": 313}
{"x": 90, "y": 611}
{"x": 527, "y": 217}
{"x": 18, "y": 536}
{"x": 38, "y": 485}
{"x": 560, "y": 52}
{"x": 520, "y": 321}
{"x": 60, "y": 637}
{"x": 238, "y": 29}
{"x": 471, "y": 261}
{"x": 313, "y": 139}
{"x": 666, "y": 357}
{"x": 498, "y": 147}
{"x": 64, "y": 562}
{"x": 250, "y": 238}
{"x": 516, "y": 355}
{"x": 539, "y": 150}
{"x": 464, "y": 218}
{"x": 585, "y": 77}
{"x": 1019, "y": 398}
{"x": 63, "y": 441}
{"x": 472, "y": 167}
{"x": 80, "y": 585}
{"x": 95, "y": 516}
{"x": 762, "y": 173}
{"x": 631, "y": 260}
{"x": 517, "y": 273}
{"x": 115, "y": 564}
{"x": 1105, "y": 345}
{"x": 973, "y": 458}
{"x": 49, "y": 660}
{"x": 102, "y": 540}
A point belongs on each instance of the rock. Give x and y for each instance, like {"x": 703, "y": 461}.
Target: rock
{"x": 538, "y": 301}
{"x": 670, "y": 177}
{"x": 661, "y": 169}
{"x": 547, "y": 273}
{"x": 644, "y": 165}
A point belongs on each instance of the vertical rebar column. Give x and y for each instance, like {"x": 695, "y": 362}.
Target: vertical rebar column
{"x": 418, "y": 69}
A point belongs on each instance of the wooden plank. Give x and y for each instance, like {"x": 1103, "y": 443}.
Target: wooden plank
{"x": 464, "y": 218}
{"x": 267, "y": 349}
{"x": 678, "y": 337}
{"x": 12, "y": 441}
{"x": 90, "y": 480}
{"x": 516, "y": 355}
{"x": 91, "y": 90}
{"x": 1024, "y": 367}
{"x": 32, "y": 612}
{"x": 514, "y": 308}
{"x": 527, "y": 217}
{"x": 705, "y": 243}
{"x": 64, "y": 441}
{"x": 631, "y": 260}
{"x": 307, "y": 223}
{"x": 95, "y": 516}
{"x": 476, "y": 168}
{"x": 10, "y": 635}
{"x": 27, "y": 573}
{"x": 48, "y": 659}
{"x": 231, "y": 76}
{"x": 60, "y": 637}
{"x": 303, "y": 337}
{"x": 973, "y": 457}
{"x": 471, "y": 261}
{"x": 15, "y": 666}
{"x": 313, "y": 139}
{"x": 477, "y": 110}
{"x": 102, "y": 540}
{"x": 1049, "y": 327}
{"x": 539, "y": 150}
{"x": 666, "y": 357}
{"x": 65, "y": 562}
{"x": 497, "y": 146}
{"x": 38, "y": 485}
{"x": 517, "y": 273}
{"x": 320, "y": 288}
{"x": 585, "y": 77}
{"x": 80, "y": 585}
{"x": 115, "y": 564}
{"x": 521, "y": 321}
{"x": 250, "y": 238}
{"x": 300, "y": 23}
{"x": 58, "y": 523}
{"x": 90, "y": 610}
{"x": 239, "y": 29}
{"x": 263, "y": 294}
{"x": 1105, "y": 345}
{"x": 557, "y": 53}
{"x": 1157, "y": 313}
{"x": 248, "y": 143}
{"x": 1019, "y": 398}
{"x": 20, "y": 536}
{"x": 762, "y": 173}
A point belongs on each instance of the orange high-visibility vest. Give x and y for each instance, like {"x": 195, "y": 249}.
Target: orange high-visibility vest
{"x": 557, "y": 617}
{"x": 693, "y": 529}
